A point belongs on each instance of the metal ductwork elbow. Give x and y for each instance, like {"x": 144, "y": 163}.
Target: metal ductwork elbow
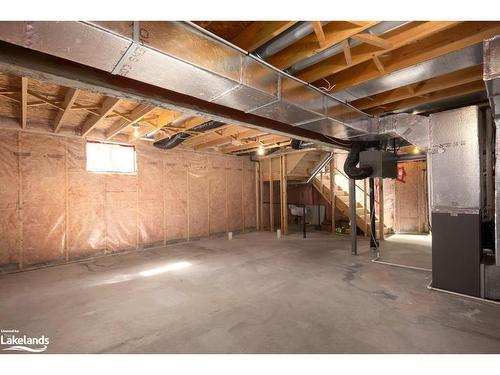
{"x": 350, "y": 166}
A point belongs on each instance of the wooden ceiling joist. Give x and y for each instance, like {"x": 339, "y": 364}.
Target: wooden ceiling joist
{"x": 259, "y": 33}
{"x": 24, "y": 102}
{"x": 335, "y": 32}
{"x": 265, "y": 140}
{"x": 398, "y": 38}
{"x": 134, "y": 117}
{"x": 460, "y": 90}
{"x": 241, "y": 135}
{"x": 69, "y": 100}
{"x": 421, "y": 88}
{"x": 450, "y": 40}
{"x": 107, "y": 107}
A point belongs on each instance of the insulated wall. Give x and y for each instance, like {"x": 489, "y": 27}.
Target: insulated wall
{"x": 53, "y": 210}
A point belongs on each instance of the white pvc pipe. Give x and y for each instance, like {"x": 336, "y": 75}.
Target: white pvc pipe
{"x": 430, "y": 287}
{"x": 401, "y": 265}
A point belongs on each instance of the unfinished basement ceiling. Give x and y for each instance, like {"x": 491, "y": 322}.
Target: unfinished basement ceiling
{"x": 376, "y": 67}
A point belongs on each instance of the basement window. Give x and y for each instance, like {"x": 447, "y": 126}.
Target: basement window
{"x": 110, "y": 158}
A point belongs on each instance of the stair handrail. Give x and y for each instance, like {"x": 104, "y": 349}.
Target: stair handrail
{"x": 347, "y": 177}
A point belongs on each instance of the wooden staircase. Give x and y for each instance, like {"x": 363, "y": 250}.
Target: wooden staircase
{"x": 321, "y": 183}
{"x": 300, "y": 166}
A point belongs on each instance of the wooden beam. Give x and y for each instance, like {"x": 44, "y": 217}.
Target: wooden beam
{"x": 107, "y": 107}
{"x": 318, "y": 30}
{"x": 432, "y": 97}
{"x": 259, "y": 33}
{"x": 236, "y": 134}
{"x": 24, "y": 102}
{"x": 460, "y": 77}
{"x": 181, "y": 124}
{"x": 347, "y": 51}
{"x": 134, "y": 117}
{"x": 212, "y": 137}
{"x": 335, "y": 32}
{"x": 279, "y": 144}
{"x": 265, "y": 140}
{"x": 402, "y": 36}
{"x": 212, "y": 134}
{"x": 378, "y": 64}
{"x": 154, "y": 127}
{"x": 373, "y": 40}
{"x": 439, "y": 44}
{"x": 69, "y": 100}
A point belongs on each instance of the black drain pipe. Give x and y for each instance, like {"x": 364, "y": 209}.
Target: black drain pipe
{"x": 177, "y": 139}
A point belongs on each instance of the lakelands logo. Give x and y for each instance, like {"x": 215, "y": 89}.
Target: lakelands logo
{"x": 23, "y": 343}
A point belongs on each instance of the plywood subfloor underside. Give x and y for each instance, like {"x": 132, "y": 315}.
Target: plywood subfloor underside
{"x": 254, "y": 294}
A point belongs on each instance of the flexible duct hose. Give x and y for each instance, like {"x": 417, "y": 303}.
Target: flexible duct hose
{"x": 350, "y": 165}
{"x": 177, "y": 139}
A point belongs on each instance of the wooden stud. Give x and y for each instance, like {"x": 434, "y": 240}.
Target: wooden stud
{"x": 332, "y": 192}
{"x": 69, "y": 100}
{"x": 318, "y": 30}
{"x": 283, "y": 195}
{"x": 66, "y": 202}
{"x": 24, "y": 102}
{"x": 261, "y": 194}
{"x": 365, "y": 207}
{"x": 271, "y": 208}
{"x": 257, "y": 196}
{"x": 107, "y": 107}
{"x": 20, "y": 200}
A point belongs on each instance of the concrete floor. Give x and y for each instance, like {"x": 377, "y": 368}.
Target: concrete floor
{"x": 254, "y": 294}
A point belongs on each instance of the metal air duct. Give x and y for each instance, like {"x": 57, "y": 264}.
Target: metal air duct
{"x": 285, "y": 39}
{"x": 182, "y": 58}
{"x": 377, "y": 30}
{"x": 492, "y": 81}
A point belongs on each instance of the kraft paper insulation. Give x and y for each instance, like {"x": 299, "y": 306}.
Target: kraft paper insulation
{"x": 53, "y": 210}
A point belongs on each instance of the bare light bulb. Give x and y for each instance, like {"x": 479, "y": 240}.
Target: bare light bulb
{"x": 136, "y": 131}
{"x": 260, "y": 150}
{"x": 416, "y": 150}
